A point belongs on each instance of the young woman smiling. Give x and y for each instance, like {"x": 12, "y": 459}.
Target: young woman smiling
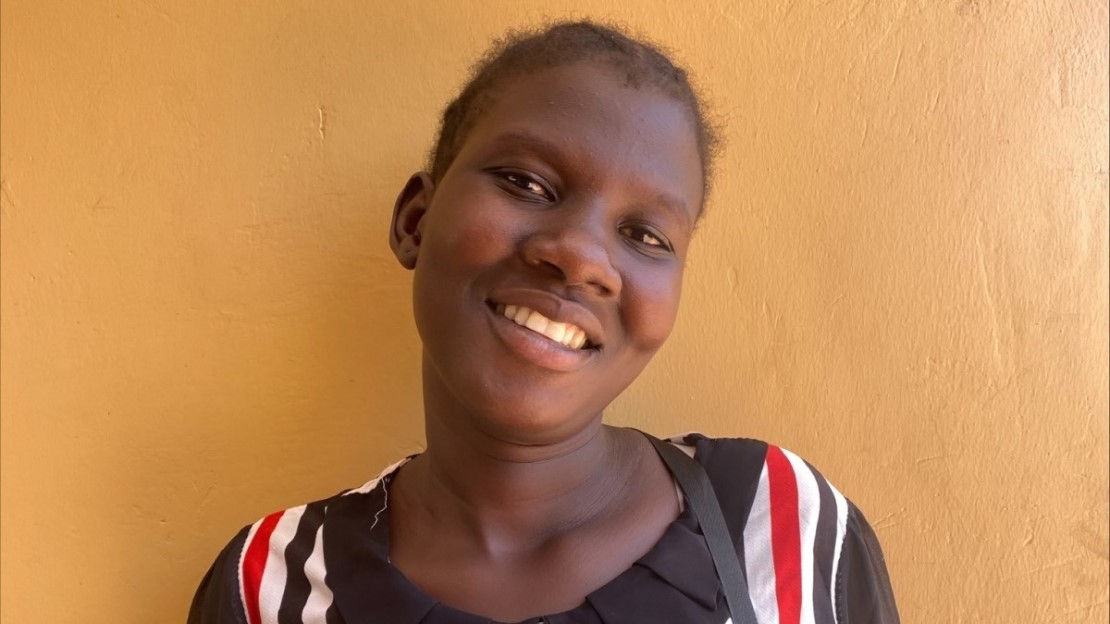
{"x": 547, "y": 243}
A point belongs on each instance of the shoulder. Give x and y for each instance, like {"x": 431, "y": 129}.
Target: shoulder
{"x": 804, "y": 546}
{"x": 276, "y": 564}
{"x": 756, "y": 482}
{"x": 217, "y": 599}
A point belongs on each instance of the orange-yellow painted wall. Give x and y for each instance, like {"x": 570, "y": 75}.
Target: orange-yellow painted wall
{"x": 903, "y": 277}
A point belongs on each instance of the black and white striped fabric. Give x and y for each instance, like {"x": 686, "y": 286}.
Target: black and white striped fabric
{"x": 808, "y": 555}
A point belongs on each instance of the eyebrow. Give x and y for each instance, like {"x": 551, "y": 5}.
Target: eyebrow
{"x": 676, "y": 207}
{"x": 528, "y": 141}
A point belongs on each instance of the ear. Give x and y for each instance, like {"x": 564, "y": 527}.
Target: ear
{"x": 408, "y": 218}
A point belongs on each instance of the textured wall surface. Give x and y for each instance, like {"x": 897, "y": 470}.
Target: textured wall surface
{"x": 903, "y": 277}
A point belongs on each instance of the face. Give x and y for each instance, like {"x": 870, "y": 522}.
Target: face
{"x": 548, "y": 259}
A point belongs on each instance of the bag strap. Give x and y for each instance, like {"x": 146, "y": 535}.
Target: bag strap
{"x": 695, "y": 485}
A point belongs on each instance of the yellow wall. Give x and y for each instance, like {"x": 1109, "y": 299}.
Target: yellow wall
{"x": 903, "y": 277}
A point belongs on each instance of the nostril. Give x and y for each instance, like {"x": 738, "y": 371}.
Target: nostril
{"x": 552, "y": 268}
{"x": 575, "y": 257}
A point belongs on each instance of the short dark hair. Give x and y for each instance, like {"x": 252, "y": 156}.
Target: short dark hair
{"x": 641, "y": 63}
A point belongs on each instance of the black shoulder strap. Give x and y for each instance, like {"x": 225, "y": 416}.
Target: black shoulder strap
{"x": 695, "y": 484}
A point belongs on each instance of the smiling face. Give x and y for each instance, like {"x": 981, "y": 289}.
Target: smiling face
{"x": 548, "y": 259}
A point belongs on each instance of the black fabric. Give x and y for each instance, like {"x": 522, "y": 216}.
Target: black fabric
{"x": 862, "y": 576}
{"x": 217, "y": 600}
{"x": 699, "y": 493}
{"x": 824, "y": 556}
{"x": 733, "y": 466}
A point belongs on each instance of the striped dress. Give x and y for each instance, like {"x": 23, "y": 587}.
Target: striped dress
{"x": 807, "y": 552}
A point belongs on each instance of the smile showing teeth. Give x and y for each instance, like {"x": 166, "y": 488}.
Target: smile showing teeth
{"x": 565, "y": 334}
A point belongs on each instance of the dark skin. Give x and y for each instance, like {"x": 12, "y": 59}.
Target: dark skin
{"x": 576, "y": 197}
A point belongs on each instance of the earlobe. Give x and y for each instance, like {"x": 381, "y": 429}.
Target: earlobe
{"x": 408, "y": 215}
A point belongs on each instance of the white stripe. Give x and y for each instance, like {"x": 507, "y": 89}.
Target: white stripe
{"x": 759, "y": 561}
{"x": 809, "y": 509}
{"x": 272, "y": 587}
{"x": 242, "y": 556}
{"x": 678, "y": 439}
{"x": 841, "y": 531}
{"x": 369, "y": 486}
{"x": 690, "y": 451}
{"x": 319, "y": 599}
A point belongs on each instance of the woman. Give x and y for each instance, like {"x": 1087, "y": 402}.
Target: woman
{"x": 548, "y": 241}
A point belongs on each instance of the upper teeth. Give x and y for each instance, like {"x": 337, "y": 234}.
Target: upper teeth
{"x": 565, "y": 334}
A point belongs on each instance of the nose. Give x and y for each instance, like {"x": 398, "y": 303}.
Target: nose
{"x": 576, "y": 252}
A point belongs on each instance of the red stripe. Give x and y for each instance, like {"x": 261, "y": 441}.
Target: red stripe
{"x": 254, "y": 564}
{"x": 786, "y": 535}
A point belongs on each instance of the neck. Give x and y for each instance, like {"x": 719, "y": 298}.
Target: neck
{"x": 509, "y": 497}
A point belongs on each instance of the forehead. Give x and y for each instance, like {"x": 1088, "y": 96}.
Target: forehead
{"x": 595, "y": 123}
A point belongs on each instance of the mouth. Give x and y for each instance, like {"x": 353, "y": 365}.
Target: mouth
{"x": 568, "y": 335}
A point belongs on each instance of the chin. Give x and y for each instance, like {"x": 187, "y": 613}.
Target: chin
{"x": 529, "y": 423}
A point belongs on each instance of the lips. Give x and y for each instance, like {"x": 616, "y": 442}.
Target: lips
{"x": 567, "y": 334}
{"x": 566, "y": 323}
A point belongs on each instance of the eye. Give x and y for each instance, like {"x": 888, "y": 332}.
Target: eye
{"x": 646, "y": 237}
{"x": 528, "y": 184}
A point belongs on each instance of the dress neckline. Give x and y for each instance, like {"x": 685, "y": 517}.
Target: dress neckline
{"x": 677, "y": 571}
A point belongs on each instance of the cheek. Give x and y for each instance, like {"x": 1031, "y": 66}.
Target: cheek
{"x": 461, "y": 240}
{"x": 650, "y": 312}
{"x": 467, "y": 234}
